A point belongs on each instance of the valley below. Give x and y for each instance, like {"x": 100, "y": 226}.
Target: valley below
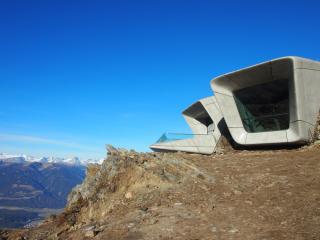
{"x": 16, "y": 217}
{"x": 29, "y": 192}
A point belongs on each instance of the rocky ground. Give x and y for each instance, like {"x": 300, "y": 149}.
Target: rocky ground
{"x": 235, "y": 195}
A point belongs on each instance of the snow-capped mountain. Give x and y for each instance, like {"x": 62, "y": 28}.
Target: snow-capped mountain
{"x": 21, "y": 158}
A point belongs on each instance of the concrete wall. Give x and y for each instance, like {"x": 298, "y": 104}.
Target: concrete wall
{"x": 304, "y": 99}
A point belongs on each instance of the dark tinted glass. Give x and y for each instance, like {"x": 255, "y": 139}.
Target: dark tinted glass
{"x": 264, "y": 107}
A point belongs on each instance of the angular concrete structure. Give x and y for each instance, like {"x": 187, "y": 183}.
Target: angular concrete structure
{"x": 275, "y": 102}
{"x": 203, "y": 117}
{"x": 271, "y": 103}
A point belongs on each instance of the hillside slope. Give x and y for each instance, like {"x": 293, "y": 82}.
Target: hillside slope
{"x": 37, "y": 185}
{"x": 28, "y": 191}
{"x": 236, "y": 195}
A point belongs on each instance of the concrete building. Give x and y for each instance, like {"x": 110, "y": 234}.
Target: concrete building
{"x": 275, "y": 102}
{"x": 203, "y": 117}
{"x": 272, "y": 103}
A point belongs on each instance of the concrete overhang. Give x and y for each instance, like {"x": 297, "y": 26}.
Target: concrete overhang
{"x": 202, "y": 117}
{"x": 303, "y": 77}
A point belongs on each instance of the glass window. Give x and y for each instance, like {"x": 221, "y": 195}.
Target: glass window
{"x": 264, "y": 107}
{"x": 198, "y": 112}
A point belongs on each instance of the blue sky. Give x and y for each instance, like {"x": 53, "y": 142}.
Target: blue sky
{"x": 75, "y": 75}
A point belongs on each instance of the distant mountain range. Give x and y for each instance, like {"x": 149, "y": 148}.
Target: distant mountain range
{"x": 24, "y": 158}
{"x": 31, "y": 188}
{"x": 37, "y": 185}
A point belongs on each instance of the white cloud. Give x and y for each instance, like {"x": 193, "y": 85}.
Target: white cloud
{"x": 42, "y": 140}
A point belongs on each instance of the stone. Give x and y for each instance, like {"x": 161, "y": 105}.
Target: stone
{"x": 130, "y": 225}
{"x": 233, "y": 230}
{"x": 128, "y": 195}
{"x": 90, "y": 233}
{"x": 153, "y": 221}
{"x": 237, "y": 192}
{"x": 111, "y": 150}
{"x": 144, "y": 209}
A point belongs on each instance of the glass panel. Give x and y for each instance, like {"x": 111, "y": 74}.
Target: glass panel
{"x": 168, "y": 137}
{"x": 264, "y": 107}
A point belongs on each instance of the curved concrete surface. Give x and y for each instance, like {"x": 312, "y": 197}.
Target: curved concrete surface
{"x": 203, "y": 118}
{"x": 303, "y": 77}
